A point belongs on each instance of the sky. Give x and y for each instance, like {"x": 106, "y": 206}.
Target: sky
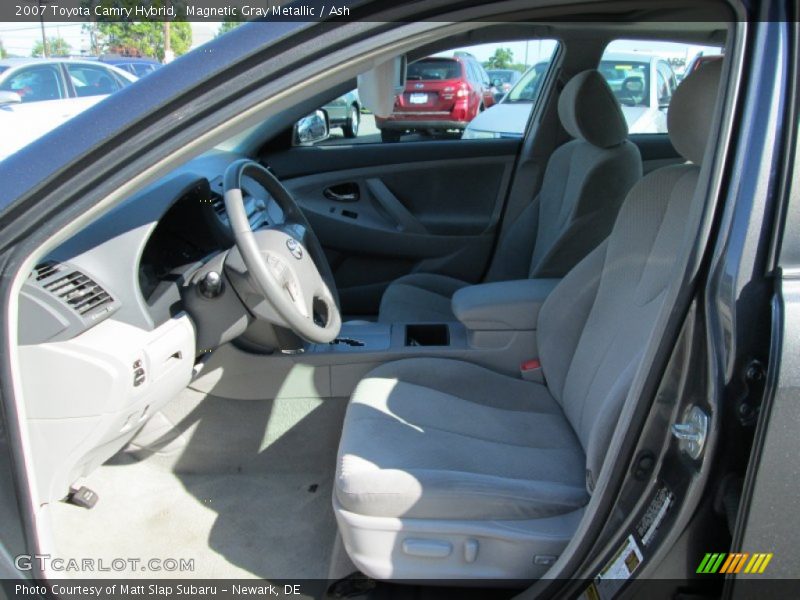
{"x": 19, "y": 38}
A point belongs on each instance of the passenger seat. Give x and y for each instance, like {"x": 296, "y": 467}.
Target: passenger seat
{"x": 584, "y": 185}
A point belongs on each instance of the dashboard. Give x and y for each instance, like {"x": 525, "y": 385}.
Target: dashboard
{"x": 132, "y": 262}
{"x": 103, "y": 317}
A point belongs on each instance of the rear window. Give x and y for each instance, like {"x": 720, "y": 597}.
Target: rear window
{"x": 504, "y": 76}
{"x": 140, "y": 70}
{"x": 433, "y": 69}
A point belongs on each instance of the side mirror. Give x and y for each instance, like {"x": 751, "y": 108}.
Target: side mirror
{"x": 311, "y": 129}
{"x": 10, "y": 98}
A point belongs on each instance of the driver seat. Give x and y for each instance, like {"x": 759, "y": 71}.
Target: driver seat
{"x": 450, "y": 470}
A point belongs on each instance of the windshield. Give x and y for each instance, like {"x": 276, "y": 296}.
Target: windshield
{"x": 527, "y": 88}
{"x": 629, "y": 80}
{"x": 433, "y": 69}
{"x": 2, "y": 68}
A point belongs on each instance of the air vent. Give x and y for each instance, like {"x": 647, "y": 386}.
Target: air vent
{"x": 219, "y": 207}
{"x": 79, "y": 291}
{"x": 47, "y": 269}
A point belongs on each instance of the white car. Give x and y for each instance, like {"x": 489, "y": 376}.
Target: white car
{"x": 38, "y": 95}
{"x": 642, "y": 83}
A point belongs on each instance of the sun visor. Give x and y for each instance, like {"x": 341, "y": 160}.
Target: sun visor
{"x": 378, "y": 87}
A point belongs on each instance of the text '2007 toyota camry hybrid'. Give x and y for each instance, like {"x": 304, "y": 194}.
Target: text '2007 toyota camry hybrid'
{"x": 279, "y": 321}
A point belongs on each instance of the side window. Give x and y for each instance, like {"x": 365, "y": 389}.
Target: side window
{"x": 643, "y": 75}
{"x": 473, "y": 72}
{"x": 90, "y": 80}
{"x": 36, "y": 84}
{"x": 450, "y": 96}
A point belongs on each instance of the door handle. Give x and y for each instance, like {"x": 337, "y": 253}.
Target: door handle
{"x": 342, "y": 193}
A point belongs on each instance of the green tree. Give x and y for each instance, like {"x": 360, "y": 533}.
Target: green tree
{"x": 3, "y": 52}
{"x": 226, "y": 26}
{"x": 139, "y": 38}
{"x": 56, "y": 46}
{"x": 502, "y": 58}
{"x": 142, "y": 38}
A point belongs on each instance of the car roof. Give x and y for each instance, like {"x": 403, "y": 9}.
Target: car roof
{"x": 18, "y": 62}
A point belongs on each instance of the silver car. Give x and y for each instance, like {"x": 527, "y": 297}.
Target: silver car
{"x": 38, "y": 94}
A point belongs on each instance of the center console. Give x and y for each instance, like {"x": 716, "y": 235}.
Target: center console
{"x": 495, "y": 327}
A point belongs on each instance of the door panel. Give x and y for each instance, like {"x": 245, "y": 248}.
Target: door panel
{"x": 384, "y": 210}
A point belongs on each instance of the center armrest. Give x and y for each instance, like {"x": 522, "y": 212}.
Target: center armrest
{"x": 504, "y": 305}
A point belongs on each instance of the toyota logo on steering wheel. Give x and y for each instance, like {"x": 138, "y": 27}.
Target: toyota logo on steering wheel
{"x": 295, "y": 248}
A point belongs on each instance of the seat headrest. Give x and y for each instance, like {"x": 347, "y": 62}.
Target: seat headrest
{"x": 691, "y": 111}
{"x": 589, "y": 111}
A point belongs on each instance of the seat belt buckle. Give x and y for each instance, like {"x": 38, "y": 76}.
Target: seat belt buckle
{"x": 531, "y": 370}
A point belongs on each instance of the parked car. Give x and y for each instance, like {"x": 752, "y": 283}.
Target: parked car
{"x": 133, "y": 65}
{"x": 442, "y": 93}
{"x": 504, "y": 79}
{"x": 345, "y": 112}
{"x": 642, "y": 83}
{"x": 507, "y": 119}
{"x": 37, "y": 95}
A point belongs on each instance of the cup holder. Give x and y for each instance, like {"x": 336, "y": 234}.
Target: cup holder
{"x": 427, "y": 335}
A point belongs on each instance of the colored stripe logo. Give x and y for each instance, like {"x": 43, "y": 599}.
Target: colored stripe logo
{"x": 734, "y": 562}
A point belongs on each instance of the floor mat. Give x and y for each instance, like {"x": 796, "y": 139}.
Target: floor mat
{"x": 256, "y": 510}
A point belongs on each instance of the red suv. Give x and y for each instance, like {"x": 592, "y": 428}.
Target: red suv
{"x": 441, "y": 94}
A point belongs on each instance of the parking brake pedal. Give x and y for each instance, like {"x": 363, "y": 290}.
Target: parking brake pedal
{"x": 83, "y": 497}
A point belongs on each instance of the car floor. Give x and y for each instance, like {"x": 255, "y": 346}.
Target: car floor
{"x": 243, "y": 487}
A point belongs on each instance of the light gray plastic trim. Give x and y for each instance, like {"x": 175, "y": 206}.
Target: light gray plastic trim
{"x": 402, "y": 549}
{"x": 84, "y": 400}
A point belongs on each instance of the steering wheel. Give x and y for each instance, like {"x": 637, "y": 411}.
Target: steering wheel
{"x": 285, "y": 261}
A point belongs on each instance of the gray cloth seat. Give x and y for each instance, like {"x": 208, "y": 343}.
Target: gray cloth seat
{"x": 441, "y": 441}
{"x": 584, "y": 185}
{"x": 477, "y": 443}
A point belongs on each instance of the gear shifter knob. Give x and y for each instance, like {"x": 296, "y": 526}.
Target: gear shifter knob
{"x": 210, "y": 285}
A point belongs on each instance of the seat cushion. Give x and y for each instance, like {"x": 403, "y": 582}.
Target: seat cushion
{"x": 419, "y": 298}
{"x": 445, "y": 439}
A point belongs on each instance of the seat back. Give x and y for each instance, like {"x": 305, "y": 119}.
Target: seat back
{"x": 584, "y": 185}
{"x": 593, "y": 328}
